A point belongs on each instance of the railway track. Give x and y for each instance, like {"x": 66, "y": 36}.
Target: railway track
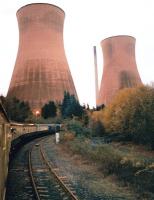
{"x": 40, "y": 171}
{"x": 36, "y": 177}
{"x": 47, "y": 181}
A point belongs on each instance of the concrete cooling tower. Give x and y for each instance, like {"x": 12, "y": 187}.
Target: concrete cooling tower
{"x": 41, "y": 71}
{"x": 120, "y": 70}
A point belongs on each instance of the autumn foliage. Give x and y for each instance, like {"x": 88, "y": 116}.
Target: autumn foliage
{"x": 132, "y": 112}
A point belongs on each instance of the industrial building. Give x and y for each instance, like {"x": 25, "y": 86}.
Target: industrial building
{"x": 41, "y": 73}
{"x": 120, "y": 69}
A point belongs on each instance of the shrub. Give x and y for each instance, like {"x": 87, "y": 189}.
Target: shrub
{"x": 97, "y": 128}
{"x": 132, "y": 112}
{"x": 130, "y": 168}
{"x": 67, "y": 136}
{"x": 41, "y": 120}
{"x": 75, "y": 126}
{"x": 96, "y": 124}
{"x": 78, "y": 128}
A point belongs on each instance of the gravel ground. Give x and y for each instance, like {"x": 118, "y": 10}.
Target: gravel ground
{"x": 84, "y": 176}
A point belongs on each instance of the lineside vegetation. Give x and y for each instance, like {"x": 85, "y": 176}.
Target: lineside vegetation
{"x": 131, "y": 114}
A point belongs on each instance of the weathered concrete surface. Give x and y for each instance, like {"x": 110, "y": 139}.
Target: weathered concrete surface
{"x": 41, "y": 71}
{"x": 120, "y": 69}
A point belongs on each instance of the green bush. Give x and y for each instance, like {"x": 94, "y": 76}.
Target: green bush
{"x": 78, "y": 128}
{"x": 41, "y": 120}
{"x": 97, "y": 128}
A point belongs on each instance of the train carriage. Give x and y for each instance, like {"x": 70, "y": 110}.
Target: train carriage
{"x": 5, "y": 141}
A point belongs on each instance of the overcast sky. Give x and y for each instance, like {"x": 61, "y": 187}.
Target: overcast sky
{"x": 87, "y": 22}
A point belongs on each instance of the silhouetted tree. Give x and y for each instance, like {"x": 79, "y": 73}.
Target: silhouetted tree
{"x": 49, "y": 110}
{"x": 70, "y": 106}
{"x": 65, "y": 103}
{"x": 101, "y": 107}
{"x": 16, "y": 110}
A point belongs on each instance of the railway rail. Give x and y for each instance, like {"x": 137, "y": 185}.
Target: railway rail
{"x": 40, "y": 167}
{"x": 61, "y": 179}
{"x": 43, "y": 179}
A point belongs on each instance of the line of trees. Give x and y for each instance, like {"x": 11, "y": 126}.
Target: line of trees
{"x": 16, "y": 110}
{"x": 49, "y": 110}
{"x": 131, "y": 114}
{"x": 20, "y": 111}
{"x": 69, "y": 107}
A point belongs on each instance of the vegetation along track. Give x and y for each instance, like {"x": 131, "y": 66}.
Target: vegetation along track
{"x": 42, "y": 180}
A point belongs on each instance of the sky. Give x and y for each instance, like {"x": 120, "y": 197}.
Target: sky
{"x": 87, "y": 22}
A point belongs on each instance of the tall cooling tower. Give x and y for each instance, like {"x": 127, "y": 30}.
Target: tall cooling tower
{"x": 120, "y": 69}
{"x": 41, "y": 71}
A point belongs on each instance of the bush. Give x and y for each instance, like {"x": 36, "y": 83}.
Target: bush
{"x": 41, "y": 120}
{"x": 96, "y": 124}
{"x": 67, "y": 136}
{"x": 97, "y": 129}
{"x": 130, "y": 168}
{"x": 78, "y": 128}
{"x": 132, "y": 112}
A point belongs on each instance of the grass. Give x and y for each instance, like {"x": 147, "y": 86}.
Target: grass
{"x": 132, "y": 165}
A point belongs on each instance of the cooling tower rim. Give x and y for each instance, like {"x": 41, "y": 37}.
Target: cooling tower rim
{"x": 115, "y": 36}
{"x": 30, "y": 4}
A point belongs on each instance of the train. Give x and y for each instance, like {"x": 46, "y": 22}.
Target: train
{"x": 5, "y": 143}
{"x": 13, "y": 136}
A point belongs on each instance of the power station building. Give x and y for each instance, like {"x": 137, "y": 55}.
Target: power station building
{"x": 120, "y": 69}
{"x": 41, "y": 71}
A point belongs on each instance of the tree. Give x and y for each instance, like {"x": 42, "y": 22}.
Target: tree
{"x": 132, "y": 112}
{"x": 49, "y": 110}
{"x": 65, "y": 103}
{"x": 70, "y": 106}
{"x": 100, "y": 107}
{"x": 16, "y": 110}
{"x": 96, "y": 124}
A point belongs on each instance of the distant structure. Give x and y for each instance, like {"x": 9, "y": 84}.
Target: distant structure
{"x": 96, "y": 74}
{"x": 120, "y": 69}
{"x": 41, "y": 71}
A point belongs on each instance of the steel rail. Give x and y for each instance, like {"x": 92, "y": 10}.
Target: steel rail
{"x": 57, "y": 177}
{"x": 32, "y": 177}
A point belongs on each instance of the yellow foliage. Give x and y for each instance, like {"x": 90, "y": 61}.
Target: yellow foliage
{"x": 129, "y": 111}
{"x": 117, "y": 108}
{"x": 97, "y": 115}
{"x": 68, "y": 136}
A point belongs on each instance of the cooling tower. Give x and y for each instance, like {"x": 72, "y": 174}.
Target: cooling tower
{"x": 41, "y": 71}
{"x": 120, "y": 69}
